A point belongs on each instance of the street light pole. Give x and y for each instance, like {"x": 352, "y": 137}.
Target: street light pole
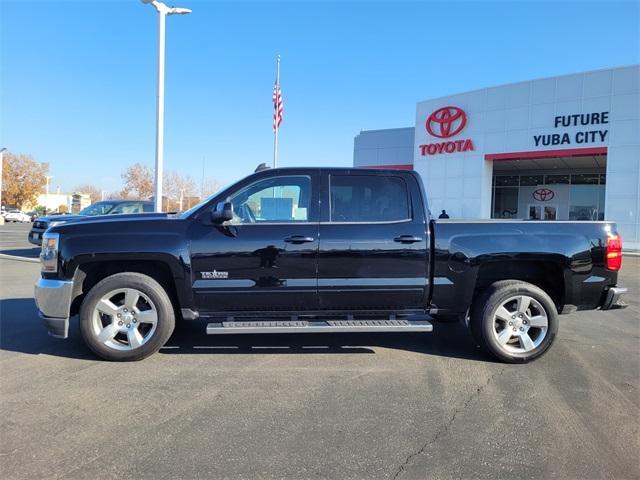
{"x": 1, "y": 167}
{"x": 48, "y": 177}
{"x": 46, "y": 191}
{"x": 163, "y": 11}
{"x": 160, "y": 115}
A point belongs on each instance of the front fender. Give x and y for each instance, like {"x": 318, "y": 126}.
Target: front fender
{"x": 130, "y": 248}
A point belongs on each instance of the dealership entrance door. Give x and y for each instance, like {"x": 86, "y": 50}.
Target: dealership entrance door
{"x": 569, "y": 187}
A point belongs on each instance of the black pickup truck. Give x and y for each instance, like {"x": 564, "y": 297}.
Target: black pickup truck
{"x": 310, "y": 250}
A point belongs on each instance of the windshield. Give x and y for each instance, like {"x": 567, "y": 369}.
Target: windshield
{"x": 130, "y": 207}
{"x": 99, "y": 208}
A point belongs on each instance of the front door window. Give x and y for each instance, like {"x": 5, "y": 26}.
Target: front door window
{"x": 273, "y": 200}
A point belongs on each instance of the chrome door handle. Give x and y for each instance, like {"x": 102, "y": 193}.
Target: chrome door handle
{"x": 298, "y": 239}
{"x": 407, "y": 239}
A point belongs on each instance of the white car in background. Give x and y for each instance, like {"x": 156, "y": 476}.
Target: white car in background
{"x": 17, "y": 216}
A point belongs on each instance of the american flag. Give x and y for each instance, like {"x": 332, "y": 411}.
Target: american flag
{"x": 278, "y": 107}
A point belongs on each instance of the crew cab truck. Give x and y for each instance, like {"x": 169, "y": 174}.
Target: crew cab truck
{"x": 322, "y": 250}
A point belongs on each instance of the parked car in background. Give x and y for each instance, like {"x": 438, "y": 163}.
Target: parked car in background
{"x": 107, "y": 207}
{"x": 17, "y": 216}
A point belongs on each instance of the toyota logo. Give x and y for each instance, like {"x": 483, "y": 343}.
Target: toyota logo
{"x": 446, "y": 122}
{"x": 543, "y": 194}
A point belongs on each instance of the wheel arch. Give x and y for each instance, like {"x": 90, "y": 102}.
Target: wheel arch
{"x": 545, "y": 274}
{"x": 88, "y": 274}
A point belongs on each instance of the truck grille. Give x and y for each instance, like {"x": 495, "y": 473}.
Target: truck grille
{"x": 42, "y": 225}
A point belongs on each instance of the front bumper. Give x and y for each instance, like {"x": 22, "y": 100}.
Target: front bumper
{"x": 53, "y": 299}
{"x": 613, "y": 300}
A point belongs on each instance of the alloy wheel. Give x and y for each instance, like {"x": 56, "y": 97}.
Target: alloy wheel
{"x": 520, "y": 324}
{"x": 124, "y": 319}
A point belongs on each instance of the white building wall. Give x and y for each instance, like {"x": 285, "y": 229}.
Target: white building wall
{"x": 52, "y": 201}
{"x": 505, "y": 119}
{"x": 389, "y": 147}
{"x": 622, "y": 201}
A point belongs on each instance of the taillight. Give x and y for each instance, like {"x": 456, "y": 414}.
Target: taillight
{"x": 614, "y": 252}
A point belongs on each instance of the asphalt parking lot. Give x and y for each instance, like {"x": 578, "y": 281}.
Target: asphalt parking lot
{"x": 293, "y": 406}
{"x": 13, "y": 240}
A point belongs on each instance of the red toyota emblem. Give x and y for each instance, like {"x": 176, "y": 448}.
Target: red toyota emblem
{"x": 446, "y": 122}
{"x": 543, "y": 194}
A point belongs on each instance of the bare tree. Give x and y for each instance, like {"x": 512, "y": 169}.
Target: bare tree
{"x": 94, "y": 193}
{"x": 114, "y": 196}
{"x": 23, "y": 179}
{"x": 138, "y": 182}
{"x": 177, "y": 187}
{"x": 210, "y": 186}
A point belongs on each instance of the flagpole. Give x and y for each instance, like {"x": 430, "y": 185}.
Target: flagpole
{"x": 275, "y": 130}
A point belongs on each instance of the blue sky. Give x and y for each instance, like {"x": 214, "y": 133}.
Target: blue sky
{"x": 78, "y": 79}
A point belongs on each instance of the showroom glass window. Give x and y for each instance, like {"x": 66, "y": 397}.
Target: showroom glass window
{"x": 278, "y": 199}
{"x": 368, "y": 198}
{"x": 586, "y": 196}
{"x": 505, "y": 196}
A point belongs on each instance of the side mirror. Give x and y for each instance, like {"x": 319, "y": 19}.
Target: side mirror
{"x": 222, "y": 212}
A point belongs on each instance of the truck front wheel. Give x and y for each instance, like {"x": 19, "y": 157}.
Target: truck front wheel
{"x": 127, "y": 316}
{"x": 514, "y": 321}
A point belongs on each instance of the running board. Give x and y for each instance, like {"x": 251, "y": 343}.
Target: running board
{"x": 328, "y": 326}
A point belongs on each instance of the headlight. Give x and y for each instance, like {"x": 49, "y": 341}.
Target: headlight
{"x": 49, "y": 252}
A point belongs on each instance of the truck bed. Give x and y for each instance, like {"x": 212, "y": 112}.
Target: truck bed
{"x": 571, "y": 254}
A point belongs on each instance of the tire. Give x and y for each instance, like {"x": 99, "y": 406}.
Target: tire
{"x": 118, "y": 326}
{"x": 514, "y": 321}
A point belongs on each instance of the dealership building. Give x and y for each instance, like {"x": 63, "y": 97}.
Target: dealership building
{"x": 561, "y": 148}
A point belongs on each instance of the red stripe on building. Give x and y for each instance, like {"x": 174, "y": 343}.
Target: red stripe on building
{"x": 397, "y": 167}
{"x": 568, "y": 152}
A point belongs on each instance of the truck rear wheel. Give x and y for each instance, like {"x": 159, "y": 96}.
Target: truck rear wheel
{"x": 127, "y": 316}
{"x": 514, "y": 321}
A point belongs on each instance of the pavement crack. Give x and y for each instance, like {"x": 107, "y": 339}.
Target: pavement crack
{"x": 447, "y": 425}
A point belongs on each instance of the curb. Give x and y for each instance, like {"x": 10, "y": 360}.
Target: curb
{"x": 19, "y": 259}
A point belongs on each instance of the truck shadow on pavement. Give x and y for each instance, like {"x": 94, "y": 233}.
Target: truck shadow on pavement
{"x": 448, "y": 340}
{"x": 22, "y": 252}
{"x": 21, "y": 330}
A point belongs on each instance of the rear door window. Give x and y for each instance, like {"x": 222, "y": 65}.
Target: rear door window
{"x": 368, "y": 198}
